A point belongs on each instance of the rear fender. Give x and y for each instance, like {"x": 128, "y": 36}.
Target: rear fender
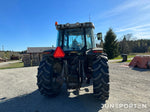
{"x": 48, "y": 53}
{"x": 95, "y": 51}
{"x": 91, "y": 53}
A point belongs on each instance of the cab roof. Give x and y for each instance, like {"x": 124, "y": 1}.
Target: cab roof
{"x": 75, "y": 25}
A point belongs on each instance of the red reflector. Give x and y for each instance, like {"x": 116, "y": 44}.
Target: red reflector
{"x": 59, "y": 53}
{"x": 98, "y": 51}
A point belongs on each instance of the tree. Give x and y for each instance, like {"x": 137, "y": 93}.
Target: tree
{"x": 111, "y": 45}
{"x": 124, "y": 47}
{"x": 148, "y": 49}
{"x": 134, "y": 46}
{"x": 128, "y": 36}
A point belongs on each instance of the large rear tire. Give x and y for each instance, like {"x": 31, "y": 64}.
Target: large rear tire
{"x": 49, "y": 82}
{"x": 101, "y": 77}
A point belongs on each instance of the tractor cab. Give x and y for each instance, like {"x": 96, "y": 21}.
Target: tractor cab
{"x": 75, "y": 37}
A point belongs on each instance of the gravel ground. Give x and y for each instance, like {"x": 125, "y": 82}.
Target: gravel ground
{"x": 129, "y": 92}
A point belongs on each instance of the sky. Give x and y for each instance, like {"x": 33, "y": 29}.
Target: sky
{"x": 31, "y": 23}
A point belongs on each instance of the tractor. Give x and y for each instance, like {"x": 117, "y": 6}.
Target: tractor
{"x": 75, "y": 62}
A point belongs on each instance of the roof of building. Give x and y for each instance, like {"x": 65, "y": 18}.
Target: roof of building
{"x": 38, "y": 49}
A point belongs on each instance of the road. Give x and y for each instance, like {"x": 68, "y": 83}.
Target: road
{"x": 128, "y": 87}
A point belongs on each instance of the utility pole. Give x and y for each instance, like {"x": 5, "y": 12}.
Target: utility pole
{"x": 2, "y": 47}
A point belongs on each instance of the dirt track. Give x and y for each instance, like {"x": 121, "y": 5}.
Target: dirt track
{"x": 129, "y": 92}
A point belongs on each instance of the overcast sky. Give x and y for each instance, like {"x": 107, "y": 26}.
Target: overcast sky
{"x": 30, "y": 23}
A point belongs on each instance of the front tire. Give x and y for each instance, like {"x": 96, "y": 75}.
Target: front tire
{"x": 48, "y": 81}
{"x": 101, "y": 78}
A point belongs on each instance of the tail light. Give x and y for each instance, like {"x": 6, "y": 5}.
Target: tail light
{"x": 59, "y": 53}
{"x": 56, "y": 23}
{"x": 46, "y": 53}
{"x": 97, "y": 51}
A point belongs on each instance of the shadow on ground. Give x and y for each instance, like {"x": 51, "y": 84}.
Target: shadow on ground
{"x": 140, "y": 69}
{"x": 34, "y": 102}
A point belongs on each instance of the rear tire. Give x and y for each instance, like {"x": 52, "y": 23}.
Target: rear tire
{"x": 48, "y": 82}
{"x": 101, "y": 78}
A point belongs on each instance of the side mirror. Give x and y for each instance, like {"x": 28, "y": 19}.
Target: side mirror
{"x": 99, "y": 36}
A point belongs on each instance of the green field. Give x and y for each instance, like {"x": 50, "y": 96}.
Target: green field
{"x": 13, "y": 65}
{"x": 132, "y": 55}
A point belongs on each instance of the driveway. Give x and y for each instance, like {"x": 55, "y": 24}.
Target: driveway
{"x": 129, "y": 92}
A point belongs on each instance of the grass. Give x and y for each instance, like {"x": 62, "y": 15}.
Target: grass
{"x": 13, "y": 65}
{"x": 125, "y": 61}
{"x": 120, "y": 57}
{"x": 132, "y": 55}
{"x": 129, "y": 60}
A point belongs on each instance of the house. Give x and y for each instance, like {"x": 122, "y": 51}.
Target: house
{"x": 34, "y": 55}
{"x": 38, "y": 50}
